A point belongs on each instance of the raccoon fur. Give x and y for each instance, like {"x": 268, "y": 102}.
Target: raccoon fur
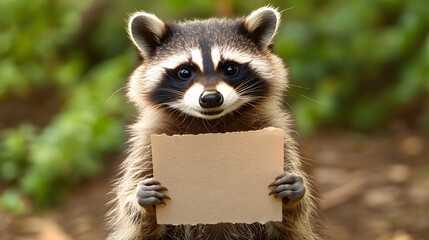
{"x": 206, "y": 76}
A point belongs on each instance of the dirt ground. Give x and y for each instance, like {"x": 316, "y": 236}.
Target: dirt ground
{"x": 372, "y": 187}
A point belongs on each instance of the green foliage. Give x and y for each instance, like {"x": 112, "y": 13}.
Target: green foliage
{"x": 361, "y": 60}
{"x": 42, "y": 163}
{"x": 352, "y": 63}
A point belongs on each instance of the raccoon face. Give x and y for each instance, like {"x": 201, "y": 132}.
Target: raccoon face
{"x": 208, "y": 68}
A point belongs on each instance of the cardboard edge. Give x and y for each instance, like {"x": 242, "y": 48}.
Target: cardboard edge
{"x": 215, "y": 223}
{"x": 271, "y": 129}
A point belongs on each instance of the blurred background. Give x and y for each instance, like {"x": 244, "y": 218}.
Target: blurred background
{"x": 359, "y": 92}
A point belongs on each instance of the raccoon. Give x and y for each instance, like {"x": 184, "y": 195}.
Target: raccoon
{"x": 207, "y": 76}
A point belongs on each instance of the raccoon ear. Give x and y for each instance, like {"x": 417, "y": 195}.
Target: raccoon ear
{"x": 147, "y": 32}
{"x": 262, "y": 25}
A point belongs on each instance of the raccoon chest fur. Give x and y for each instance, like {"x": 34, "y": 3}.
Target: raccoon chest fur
{"x": 206, "y": 76}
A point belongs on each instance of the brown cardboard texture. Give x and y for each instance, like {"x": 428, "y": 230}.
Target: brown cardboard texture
{"x": 213, "y": 178}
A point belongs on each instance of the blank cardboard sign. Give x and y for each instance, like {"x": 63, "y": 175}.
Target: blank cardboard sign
{"x": 213, "y": 178}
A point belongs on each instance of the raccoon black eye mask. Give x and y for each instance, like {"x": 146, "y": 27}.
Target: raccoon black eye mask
{"x": 189, "y": 90}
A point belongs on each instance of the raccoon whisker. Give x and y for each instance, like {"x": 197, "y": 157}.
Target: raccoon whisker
{"x": 253, "y": 103}
{"x": 172, "y": 91}
{"x": 254, "y": 85}
{"x": 115, "y": 93}
{"x": 249, "y": 104}
{"x": 309, "y": 98}
{"x": 245, "y": 88}
{"x": 217, "y": 123}
{"x": 243, "y": 83}
{"x": 239, "y": 113}
{"x": 249, "y": 91}
{"x": 185, "y": 117}
{"x": 230, "y": 114}
{"x": 172, "y": 110}
{"x": 224, "y": 121}
{"x": 239, "y": 87}
{"x": 175, "y": 111}
{"x": 159, "y": 106}
{"x": 253, "y": 98}
{"x": 191, "y": 123}
{"x": 291, "y": 108}
{"x": 209, "y": 125}
{"x": 298, "y": 86}
{"x": 204, "y": 124}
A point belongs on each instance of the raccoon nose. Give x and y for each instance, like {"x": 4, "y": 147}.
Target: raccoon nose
{"x": 211, "y": 99}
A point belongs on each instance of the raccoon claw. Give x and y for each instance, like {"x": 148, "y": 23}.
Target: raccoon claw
{"x": 149, "y": 193}
{"x": 289, "y": 187}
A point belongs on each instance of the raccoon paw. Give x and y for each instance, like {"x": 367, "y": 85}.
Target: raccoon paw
{"x": 149, "y": 193}
{"x": 289, "y": 187}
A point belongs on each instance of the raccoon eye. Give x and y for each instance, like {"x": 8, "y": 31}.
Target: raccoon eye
{"x": 231, "y": 70}
{"x": 184, "y": 73}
